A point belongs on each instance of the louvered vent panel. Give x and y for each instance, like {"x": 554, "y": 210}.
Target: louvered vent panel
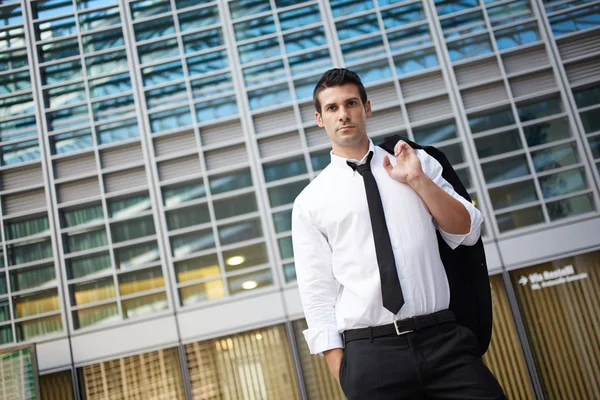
{"x": 382, "y": 95}
{"x": 584, "y": 71}
{"x": 220, "y": 133}
{"x": 18, "y": 178}
{"x": 125, "y": 179}
{"x": 532, "y": 83}
{"x": 308, "y": 112}
{"x": 78, "y": 190}
{"x": 174, "y": 143}
{"x": 423, "y": 85}
{"x": 74, "y": 166}
{"x": 427, "y": 109}
{"x": 525, "y": 60}
{"x": 274, "y": 121}
{"x": 580, "y": 45}
{"x": 229, "y": 156}
{"x": 122, "y": 155}
{"x": 316, "y": 136}
{"x": 279, "y": 144}
{"x": 482, "y": 95}
{"x": 179, "y": 167}
{"x": 477, "y": 72}
{"x": 23, "y": 202}
{"x": 383, "y": 120}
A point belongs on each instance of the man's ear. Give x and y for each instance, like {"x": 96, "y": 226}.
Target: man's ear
{"x": 319, "y": 119}
{"x": 368, "y": 108}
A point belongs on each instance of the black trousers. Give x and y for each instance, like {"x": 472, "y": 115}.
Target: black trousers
{"x": 441, "y": 362}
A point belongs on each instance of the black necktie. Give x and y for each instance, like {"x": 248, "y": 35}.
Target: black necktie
{"x": 391, "y": 291}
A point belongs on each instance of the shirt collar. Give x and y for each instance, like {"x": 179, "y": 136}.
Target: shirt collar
{"x": 341, "y": 162}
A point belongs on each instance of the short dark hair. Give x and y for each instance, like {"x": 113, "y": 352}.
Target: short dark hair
{"x": 337, "y": 77}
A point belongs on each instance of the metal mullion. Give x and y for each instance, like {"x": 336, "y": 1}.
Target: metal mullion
{"x": 140, "y": 267}
{"x": 86, "y": 252}
{"x": 93, "y": 303}
{"x": 521, "y": 206}
{"x": 555, "y": 143}
{"x": 246, "y": 270}
{"x": 190, "y": 229}
{"x": 284, "y": 181}
{"x": 134, "y": 242}
{"x": 186, "y": 204}
{"x": 513, "y": 24}
{"x": 143, "y": 292}
{"x": 21, "y": 92}
{"x": 285, "y": 32}
{"x": 60, "y": 61}
{"x": 37, "y": 316}
{"x": 55, "y": 39}
{"x": 559, "y": 170}
{"x": 90, "y": 278}
{"x": 569, "y": 195}
{"x": 527, "y": 71}
{"x": 567, "y": 97}
{"x": 256, "y": 39}
{"x": 506, "y": 182}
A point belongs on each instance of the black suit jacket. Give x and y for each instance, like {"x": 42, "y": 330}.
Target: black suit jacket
{"x": 466, "y": 268}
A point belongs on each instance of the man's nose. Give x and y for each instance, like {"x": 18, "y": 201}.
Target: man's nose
{"x": 343, "y": 116}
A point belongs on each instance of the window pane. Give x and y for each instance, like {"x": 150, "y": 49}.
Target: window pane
{"x": 235, "y": 206}
{"x": 245, "y": 257}
{"x": 563, "y": 183}
{"x": 204, "y": 291}
{"x": 174, "y": 195}
{"x": 491, "y": 121}
{"x": 128, "y": 207}
{"x": 141, "y": 281}
{"x": 498, "y": 143}
{"x": 240, "y": 231}
{"x": 96, "y": 315}
{"x": 31, "y": 278}
{"x": 184, "y": 217}
{"x": 22, "y": 253}
{"x": 249, "y": 281}
{"x": 508, "y": 168}
{"x": 145, "y": 305}
{"x": 84, "y": 240}
{"x": 284, "y": 169}
{"x": 38, "y": 327}
{"x": 547, "y": 132}
{"x": 85, "y": 293}
{"x": 285, "y": 194}
{"x": 283, "y": 221}
{"x": 197, "y": 268}
{"x": 192, "y": 242}
{"x": 571, "y": 206}
{"x": 539, "y": 109}
{"x": 513, "y": 194}
{"x": 82, "y": 216}
{"x": 520, "y": 218}
{"x": 37, "y": 303}
{"x": 554, "y": 157}
{"x": 132, "y": 229}
{"x": 21, "y": 229}
{"x": 230, "y": 181}
{"x": 89, "y": 265}
{"x": 134, "y": 256}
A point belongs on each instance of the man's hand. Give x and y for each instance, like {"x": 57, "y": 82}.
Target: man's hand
{"x": 408, "y": 166}
{"x": 334, "y": 361}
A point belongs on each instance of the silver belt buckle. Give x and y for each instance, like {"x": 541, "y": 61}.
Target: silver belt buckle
{"x": 398, "y": 330}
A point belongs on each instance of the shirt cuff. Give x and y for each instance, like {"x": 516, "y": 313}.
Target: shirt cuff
{"x": 323, "y": 339}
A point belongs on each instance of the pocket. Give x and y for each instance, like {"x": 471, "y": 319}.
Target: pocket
{"x": 343, "y": 369}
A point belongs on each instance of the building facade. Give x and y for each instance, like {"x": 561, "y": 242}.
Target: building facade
{"x": 150, "y": 153}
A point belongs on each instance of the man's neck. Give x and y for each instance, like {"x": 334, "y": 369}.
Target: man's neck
{"x": 352, "y": 152}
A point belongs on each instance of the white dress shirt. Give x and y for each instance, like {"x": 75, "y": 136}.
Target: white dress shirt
{"x": 334, "y": 252}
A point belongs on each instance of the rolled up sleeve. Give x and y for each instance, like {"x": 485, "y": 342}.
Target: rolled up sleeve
{"x": 316, "y": 283}
{"x": 434, "y": 170}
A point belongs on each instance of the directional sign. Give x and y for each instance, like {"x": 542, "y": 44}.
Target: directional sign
{"x": 544, "y": 279}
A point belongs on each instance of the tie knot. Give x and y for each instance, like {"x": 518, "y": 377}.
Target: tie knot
{"x": 362, "y": 167}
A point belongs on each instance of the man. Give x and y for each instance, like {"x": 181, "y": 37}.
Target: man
{"x": 372, "y": 284}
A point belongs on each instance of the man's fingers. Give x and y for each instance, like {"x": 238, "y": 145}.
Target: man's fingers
{"x": 387, "y": 165}
{"x": 400, "y": 147}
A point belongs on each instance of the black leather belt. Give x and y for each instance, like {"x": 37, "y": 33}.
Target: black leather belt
{"x": 400, "y": 327}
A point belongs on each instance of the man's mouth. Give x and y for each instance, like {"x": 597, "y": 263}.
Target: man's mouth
{"x": 345, "y": 127}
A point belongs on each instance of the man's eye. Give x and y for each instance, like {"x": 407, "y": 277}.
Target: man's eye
{"x": 352, "y": 103}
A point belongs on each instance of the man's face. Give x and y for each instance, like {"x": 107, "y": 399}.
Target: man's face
{"x": 344, "y": 116}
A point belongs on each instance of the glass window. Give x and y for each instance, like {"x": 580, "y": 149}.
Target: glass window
{"x": 143, "y": 9}
{"x": 154, "y": 28}
{"x": 209, "y": 290}
{"x": 57, "y": 50}
{"x": 127, "y": 207}
{"x": 341, "y": 8}
{"x": 99, "y": 19}
{"x": 234, "y": 206}
{"x": 170, "y": 119}
{"x": 269, "y": 96}
{"x": 198, "y": 18}
{"x": 137, "y": 255}
{"x": 109, "y": 62}
{"x": 555, "y": 157}
{"x": 208, "y": 62}
{"x": 188, "y": 243}
{"x": 32, "y": 278}
{"x": 19, "y": 153}
{"x": 84, "y": 240}
{"x": 96, "y": 315}
{"x": 240, "y": 231}
{"x": 86, "y": 4}
{"x": 358, "y": 50}
{"x": 132, "y": 229}
{"x": 21, "y": 229}
{"x": 141, "y": 281}
{"x": 230, "y": 181}
{"x": 546, "y": 132}
{"x": 184, "y": 217}
{"x": 27, "y": 330}
{"x": 102, "y": 40}
{"x": 163, "y": 73}
{"x": 513, "y": 194}
{"x": 13, "y": 60}
{"x": 283, "y": 221}
{"x": 507, "y": 13}
{"x": 289, "y": 271}
{"x": 110, "y": 85}
{"x": 212, "y": 85}
{"x": 435, "y": 134}
{"x": 254, "y": 28}
{"x": 115, "y": 132}
{"x": 299, "y": 17}
{"x": 203, "y": 40}
{"x": 285, "y": 194}
{"x": 18, "y": 128}
{"x": 11, "y": 15}
{"x": 286, "y": 249}
{"x": 590, "y": 120}
{"x": 516, "y": 36}
{"x": 539, "y": 109}
{"x": 284, "y": 169}
{"x": 22, "y": 253}
{"x": 498, "y": 143}
{"x": 520, "y": 218}
{"x": 251, "y": 280}
{"x": 416, "y": 61}
{"x": 49, "y": 30}
{"x": 95, "y": 264}
{"x": 118, "y": 107}
{"x": 450, "y": 6}
{"x": 469, "y": 47}
{"x": 64, "y": 95}
{"x": 404, "y": 39}
{"x": 373, "y": 71}
{"x": 494, "y": 120}
{"x": 145, "y": 305}
{"x": 463, "y": 24}
{"x": 259, "y": 50}
{"x": 563, "y": 183}
{"x": 245, "y": 257}
{"x": 304, "y": 40}
{"x": 320, "y": 160}
{"x": 166, "y": 95}
{"x": 571, "y": 206}
{"x": 573, "y": 21}
{"x": 174, "y": 195}
{"x": 507, "y": 168}
{"x": 37, "y": 303}
{"x": 396, "y": 17}
{"x": 92, "y": 292}
{"x": 51, "y": 8}
{"x": 587, "y": 96}
{"x": 158, "y": 50}
{"x": 264, "y": 73}
{"x": 203, "y": 267}
{"x": 356, "y": 27}
{"x": 216, "y": 108}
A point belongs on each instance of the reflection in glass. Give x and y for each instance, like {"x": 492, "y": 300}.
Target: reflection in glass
{"x": 507, "y": 168}
{"x": 234, "y": 206}
{"x": 249, "y": 281}
{"x": 240, "y": 231}
{"x": 520, "y": 218}
{"x": 285, "y": 194}
{"x": 27, "y": 330}
{"x": 563, "y": 182}
{"x": 141, "y": 281}
{"x": 145, "y": 305}
{"x": 192, "y": 242}
{"x": 570, "y": 207}
{"x": 95, "y": 264}
{"x": 513, "y": 194}
{"x": 134, "y": 256}
{"x": 197, "y": 268}
{"x": 96, "y": 315}
{"x": 92, "y": 292}
{"x": 204, "y": 291}
{"x": 184, "y": 217}
{"x": 174, "y": 195}
{"x": 245, "y": 257}
{"x": 32, "y": 278}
